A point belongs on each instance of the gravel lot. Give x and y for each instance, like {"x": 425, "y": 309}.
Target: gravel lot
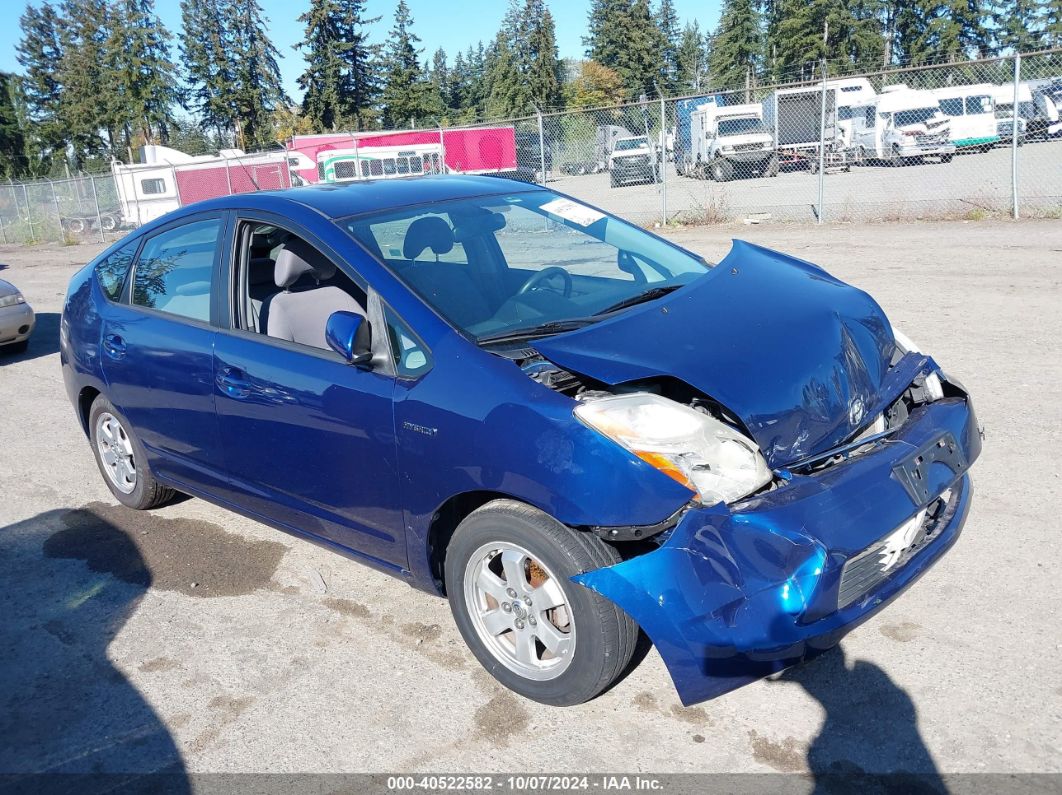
{"x": 193, "y": 638}
{"x": 973, "y": 183}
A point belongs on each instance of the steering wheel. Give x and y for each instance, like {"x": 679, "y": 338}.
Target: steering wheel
{"x": 545, "y": 275}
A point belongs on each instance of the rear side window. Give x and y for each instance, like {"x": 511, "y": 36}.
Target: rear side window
{"x": 951, "y": 107}
{"x": 175, "y": 271}
{"x": 112, "y": 270}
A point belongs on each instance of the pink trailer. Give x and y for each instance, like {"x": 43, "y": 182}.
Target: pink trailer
{"x": 199, "y": 181}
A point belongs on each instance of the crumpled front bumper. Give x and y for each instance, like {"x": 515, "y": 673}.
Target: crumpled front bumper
{"x": 716, "y": 597}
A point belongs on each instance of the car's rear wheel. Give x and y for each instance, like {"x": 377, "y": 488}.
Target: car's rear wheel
{"x": 508, "y": 577}
{"x": 122, "y": 460}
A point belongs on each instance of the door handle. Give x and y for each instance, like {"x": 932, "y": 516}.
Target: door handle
{"x": 114, "y": 345}
{"x": 232, "y": 382}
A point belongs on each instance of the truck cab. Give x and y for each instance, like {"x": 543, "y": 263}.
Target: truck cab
{"x": 633, "y": 160}
{"x": 902, "y": 125}
{"x": 732, "y": 140}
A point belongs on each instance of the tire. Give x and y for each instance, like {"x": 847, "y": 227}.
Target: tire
{"x": 109, "y": 223}
{"x": 595, "y": 639}
{"x": 74, "y": 226}
{"x": 141, "y": 491}
{"x": 771, "y": 169}
{"x": 722, "y": 170}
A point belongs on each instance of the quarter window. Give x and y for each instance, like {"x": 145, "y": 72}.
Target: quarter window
{"x": 152, "y": 186}
{"x": 176, "y": 268}
{"x": 410, "y": 357}
{"x": 112, "y": 270}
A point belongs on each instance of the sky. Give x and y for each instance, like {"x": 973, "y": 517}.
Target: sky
{"x": 450, "y": 24}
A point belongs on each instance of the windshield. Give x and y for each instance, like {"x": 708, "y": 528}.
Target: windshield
{"x": 504, "y": 264}
{"x": 740, "y": 126}
{"x": 631, "y": 143}
{"x": 915, "y": 116}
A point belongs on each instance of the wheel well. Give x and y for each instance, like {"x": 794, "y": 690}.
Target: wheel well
{"x": 445, "y": 521}
{"x": 84, "y": 404}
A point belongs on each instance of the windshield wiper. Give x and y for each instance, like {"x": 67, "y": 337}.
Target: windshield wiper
{"x": 649, "y": 295}
{"x": 541, "y": 330}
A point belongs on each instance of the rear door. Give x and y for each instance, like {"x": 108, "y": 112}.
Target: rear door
{"x": 158, "y": 349}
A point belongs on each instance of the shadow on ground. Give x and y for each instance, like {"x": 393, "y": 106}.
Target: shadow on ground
{"x": 44, "y": 340}
{"x": 869, "y": 741}
{"x": 64, "y": 708}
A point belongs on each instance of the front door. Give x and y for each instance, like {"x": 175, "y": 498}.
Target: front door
{"x": 309, "y": 440}
{"x": 157, "y": 346}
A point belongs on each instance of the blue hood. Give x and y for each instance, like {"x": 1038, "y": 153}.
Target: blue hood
{"x": 799, "y": 356}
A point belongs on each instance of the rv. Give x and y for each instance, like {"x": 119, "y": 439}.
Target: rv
{"x": 379, "y": 162}
{"x": 731, "y": 140}
{"x": 166, "y": 179}
{"x": 1003, "y": 98}
{"x": 901, "y": 125}
{"x": 972, "y": 113}
{"x": 853, "y": 94}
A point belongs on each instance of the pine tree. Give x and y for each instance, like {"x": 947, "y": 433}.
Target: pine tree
{"x": 737, "y": 44}
{"x": 40, "y": 52}
{"x": 404, "y": 99}
{"x": 543, "y": 69}
{"x": 85, "y": 71}
{"x": 459, "y": 84}
{"x": 623, "y": 37}
{"x": 13, "y": 162}
{"x": 1052, "y": 23}
{"x": 209, "y": 66}
{"x": 440, "y": 80}
{"x": 855, "y": 37}
{"x": 667, "y": 23}
{"x": 339, "y": 80}
{"x": 508, "y": 93}
{"x": 1017, "y": 25}
{"x": 148, "y": 89}
{"x": 257, "y": 89}
{"x": 691, "y": 60}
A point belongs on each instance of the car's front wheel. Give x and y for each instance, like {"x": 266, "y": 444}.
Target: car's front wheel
{"x": 508, "y": 578}
{"x": 122, "y": 460}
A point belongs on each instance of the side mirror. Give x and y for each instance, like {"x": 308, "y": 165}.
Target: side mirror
{"x": 350, "y": 335}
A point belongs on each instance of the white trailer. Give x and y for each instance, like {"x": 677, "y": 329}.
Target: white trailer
{"x": 729, "y": 140}
{"x": 799, "y": 123}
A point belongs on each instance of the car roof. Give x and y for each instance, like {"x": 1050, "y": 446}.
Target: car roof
{"x": 338, "y": 200}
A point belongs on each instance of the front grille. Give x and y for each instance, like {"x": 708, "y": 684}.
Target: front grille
{"x": 931, "y": 140}
{"x": 747, "y": 147}
{"x": 871, "y": 567}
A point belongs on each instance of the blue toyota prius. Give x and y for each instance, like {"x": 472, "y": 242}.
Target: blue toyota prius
{"x": 570, "y": 427}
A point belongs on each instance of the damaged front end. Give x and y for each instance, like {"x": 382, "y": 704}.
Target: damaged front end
{"x": 736, "y": 592}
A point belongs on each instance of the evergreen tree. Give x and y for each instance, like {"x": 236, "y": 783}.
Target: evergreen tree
{"x": 671, "y": 41}
{"x": 691, "y": 60}
{"x": 13, "y": 162}
{"x": 209, "y": 67}
{"x": 440, "y": 81}
{"x": 1052, "y": 23}
{"x": 459, "y": 84}
{"x": 40, "y": 52}
{"x": 508, "y": 93}
{"x": 623, "y": 37}
{"x": 339, "y": 80}
{"x": 736, "y": 45}
{"x": 147, "y": 88}
{"x": 87, "y": 102}
{"x": 257, "y": 89}
{"x": 404, "y": 99}
{"x": 544, "y": 68}
{"x": 1017, "y": 25}
{"x": 854, "y": 37}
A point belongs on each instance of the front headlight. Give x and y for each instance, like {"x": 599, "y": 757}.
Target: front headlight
{"x": 11, "y": 300}
{"x": 703, "y": 454}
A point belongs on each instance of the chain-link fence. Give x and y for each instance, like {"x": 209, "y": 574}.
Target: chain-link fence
{"x": 956, "y": 140}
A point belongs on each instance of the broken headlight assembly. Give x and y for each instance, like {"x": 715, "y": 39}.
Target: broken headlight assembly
{"x": 705, "y": 455}
{"x": 933, "y": 387}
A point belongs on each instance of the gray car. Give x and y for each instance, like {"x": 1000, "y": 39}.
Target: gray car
{"x": 16, "y": 319}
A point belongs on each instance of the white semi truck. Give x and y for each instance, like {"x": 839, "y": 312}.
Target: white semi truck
{"x": 730, "y": 140}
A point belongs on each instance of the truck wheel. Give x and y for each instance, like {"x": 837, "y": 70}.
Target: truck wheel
{"x": 722, "y": 170}
{"x": 895, "y": 160}
{"x": 108, "y": 222}
{"x": 508, "y": 578}
{"x": 771, "y": 169}
{"x": 74, "y": 226}
{"x": 122, "y": 460}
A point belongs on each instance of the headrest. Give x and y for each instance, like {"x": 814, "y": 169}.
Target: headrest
{"x": 478, "y": 225}
{"x": 298, "y": 258}
{"x": 428, "y": 232}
